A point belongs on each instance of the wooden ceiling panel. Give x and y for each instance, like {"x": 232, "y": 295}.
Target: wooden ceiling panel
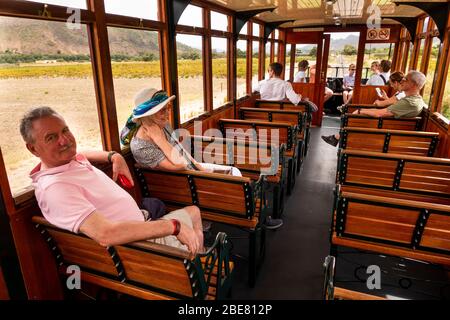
{"x": 318, "y": 12}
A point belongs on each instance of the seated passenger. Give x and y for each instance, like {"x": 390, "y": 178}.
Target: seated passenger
{"x": 300, "y": 76}
{"x": 275, "y": 88}
{"x": 349, "y": 83}
{"x": 78, "y": 197}
{"x": 395, "y": 81}
{"x": 381, "y": 73}
{"x": 153, "y": 141}
{"x": 409, "y": 106}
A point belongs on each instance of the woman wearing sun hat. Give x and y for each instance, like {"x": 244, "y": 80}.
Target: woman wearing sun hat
{"x": 152, "y": 140}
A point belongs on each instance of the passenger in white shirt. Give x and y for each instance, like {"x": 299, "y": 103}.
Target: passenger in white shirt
{"x": 382, "y": 78}
{"x": 300, "y": 76}
{"x": 275, "y": 88}
{"x": 395, "y": 80}
{"x": 349, "y": 83}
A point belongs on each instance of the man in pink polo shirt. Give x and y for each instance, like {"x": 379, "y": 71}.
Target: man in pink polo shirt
{"x": 76, "y": 196}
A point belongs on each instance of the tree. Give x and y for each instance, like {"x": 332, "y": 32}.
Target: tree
{"x": 349, "y": 50}
{"x": 313, "y": 51}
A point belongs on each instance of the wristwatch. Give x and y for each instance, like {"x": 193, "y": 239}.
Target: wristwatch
{"x": 110, "y": 154}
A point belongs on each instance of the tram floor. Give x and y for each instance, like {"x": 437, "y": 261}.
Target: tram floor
{"x": 292, "y": 268}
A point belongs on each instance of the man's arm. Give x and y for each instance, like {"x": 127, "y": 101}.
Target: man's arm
{"x": 292, "y": 95}
{"x": 108, "y": 233}
{"x": 119, "y": 165}
{"x": 376, "y": 112}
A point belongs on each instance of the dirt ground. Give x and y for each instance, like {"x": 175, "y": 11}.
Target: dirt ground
{"x": 75, "y": 100}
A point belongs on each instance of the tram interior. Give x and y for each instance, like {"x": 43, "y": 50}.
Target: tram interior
{"x": 368, "y": 219}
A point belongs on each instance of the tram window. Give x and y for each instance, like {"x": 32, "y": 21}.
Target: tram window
{"x": 52, "y": 67}
{"x": 376, "y": 52}
{"x": 445, "y": 109}
{"x": 341, "y": 56}
{"x": 81, "y": 4}
{"x": 267, "y": 54}
{"x": 256, "y": 29}
{"x": 219, "y": 71}
{"x": 244, "y": 29}
{"x": 192, "y": 16}
{"x": 431, "y": 70}
{"x": 241, "y": 68}
{"x": 411, "y": 52}
{"x": 219, "y": 21}
{"x": 275, "y": 52}
{"x": 145, "y": 9}
{"x": 277, "y": 34}
{"x": 190, "y": 76}
{"x": 305, "y": 52}
{"x": 421, "y": 49}
{"x": 287, "y": 69}
{"x": 135, "y": 64}
{"x": 426, "y": 21}
{"x": 255, "y": 64}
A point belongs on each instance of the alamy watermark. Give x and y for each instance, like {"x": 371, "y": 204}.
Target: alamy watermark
{"x": 374, "y": 279}
{"x": 73, "y": 22}
{"x": 374, "y": 19}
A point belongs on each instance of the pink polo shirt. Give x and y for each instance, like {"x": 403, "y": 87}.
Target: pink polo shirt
{"x": 68, "y": 194}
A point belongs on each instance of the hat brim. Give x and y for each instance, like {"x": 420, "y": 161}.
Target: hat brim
{"x": 156, "y": 109}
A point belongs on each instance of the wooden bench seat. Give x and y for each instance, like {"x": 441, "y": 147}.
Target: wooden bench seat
{"x": 364, "y": 121}
{"x": 287, "y": 105}
{"x": 295, "y": 118}
{"x": 252, "y": 159}
{"x": 266, "y": 132}
{"x": 421, "y": 177}
{"x": 143, "y": 269}
{"x": 392, "y": 226}
{"x": 350, "y": 108}
{"x": 417, "y": 143}
{"x": 235, "y": 201}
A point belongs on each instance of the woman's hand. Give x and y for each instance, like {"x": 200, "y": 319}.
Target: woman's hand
{"x": 119, "y": 166}
{"x": 384, "y": 95}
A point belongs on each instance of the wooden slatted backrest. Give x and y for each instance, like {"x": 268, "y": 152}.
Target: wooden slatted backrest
{"x": 403, "y": 173}
{"x": 260, "y": 131}
{"x": 292, "y": 117}
{"x": 220, "y": 193}
{"x": 142, "y": 269}
{"x": 161, "y": 268}
{"x": 245, "y": 155}
{"x": 417, "y": 143}
{"x": 410, "y": 225}
{"x": 283, "y": 105}
{"x": 350, "y": 108}
{"x": 363, "y": 121}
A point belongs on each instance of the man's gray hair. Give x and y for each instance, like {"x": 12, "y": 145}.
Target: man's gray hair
{"x": 26, "y": 123}
{"x": 418, "y": 78}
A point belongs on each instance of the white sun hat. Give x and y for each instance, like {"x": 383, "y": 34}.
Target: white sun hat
{"x": 143, "y": 102}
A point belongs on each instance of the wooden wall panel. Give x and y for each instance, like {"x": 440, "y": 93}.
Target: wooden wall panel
{"x": 443, "y": 148}
{"x": 367, "y": 94}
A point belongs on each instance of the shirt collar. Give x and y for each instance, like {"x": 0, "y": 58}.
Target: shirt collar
{"x": 79, "y": 161}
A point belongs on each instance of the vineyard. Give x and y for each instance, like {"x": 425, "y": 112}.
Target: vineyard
{"x": 150, "y": 69}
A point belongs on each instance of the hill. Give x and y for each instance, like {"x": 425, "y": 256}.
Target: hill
{"x": 27, "y": 36}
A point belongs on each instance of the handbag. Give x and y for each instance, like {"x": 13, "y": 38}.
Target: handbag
{"x": 155, "y": 207}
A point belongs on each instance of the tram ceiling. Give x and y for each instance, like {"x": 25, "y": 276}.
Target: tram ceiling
{"x": 321, "y": 12}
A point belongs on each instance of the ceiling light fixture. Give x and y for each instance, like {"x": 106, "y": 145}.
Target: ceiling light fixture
{"x": 330, "y": 2}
